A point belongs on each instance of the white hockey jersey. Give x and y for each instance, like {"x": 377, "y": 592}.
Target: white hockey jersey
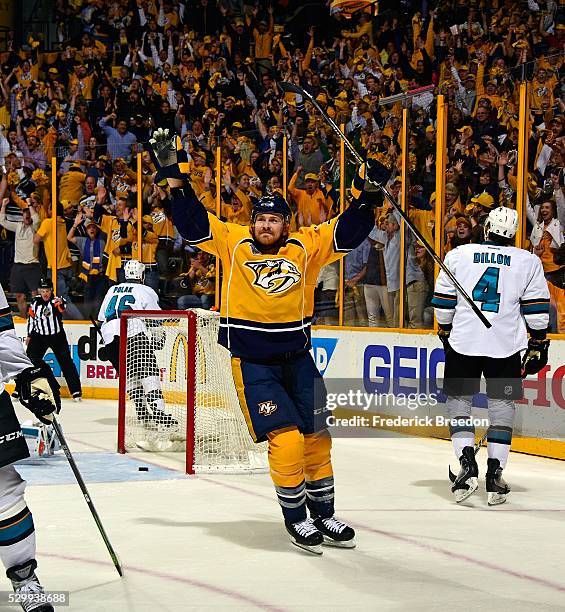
{"x": 13, "y": 358}
{"x": 125, "y": 296}
{"x": 509, "y": 287}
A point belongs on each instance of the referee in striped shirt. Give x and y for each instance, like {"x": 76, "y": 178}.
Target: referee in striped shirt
{"x": 45, "y": 331}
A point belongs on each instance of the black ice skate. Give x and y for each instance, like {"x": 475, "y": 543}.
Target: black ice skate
{"x": 336, "y": 533}
{"x": 497, "y": 488}
{"x": 306, "y": 536}
{"x": 27, "y": 587}
{"x": 466, "y": 482}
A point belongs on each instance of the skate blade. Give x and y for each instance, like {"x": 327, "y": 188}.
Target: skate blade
{"x": 495, "y": 499}
{"x": 313, "y": 550}
{"x": 336, "y": 544}
{"x": 463, "y": 494}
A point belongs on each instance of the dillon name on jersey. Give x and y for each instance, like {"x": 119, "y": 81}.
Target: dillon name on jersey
{"x": 507, "y": 284}
{"x": 268, "y": 300}
{"x": 125, "y": 296}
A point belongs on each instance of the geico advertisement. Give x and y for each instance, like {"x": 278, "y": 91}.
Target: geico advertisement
{"x": 386, "y": 362}
{"x": 412, "y": 364}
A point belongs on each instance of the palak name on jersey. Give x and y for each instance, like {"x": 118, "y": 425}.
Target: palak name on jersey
{"x": 492, "y": 258}
{"x": 274, "y": 275}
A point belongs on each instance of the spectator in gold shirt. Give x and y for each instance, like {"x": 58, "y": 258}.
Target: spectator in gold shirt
{"x": 312, "y": 204}
{"x": 263, "y": 36}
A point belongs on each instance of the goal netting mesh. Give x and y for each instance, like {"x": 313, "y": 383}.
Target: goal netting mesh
{"x": 177, "y": 393}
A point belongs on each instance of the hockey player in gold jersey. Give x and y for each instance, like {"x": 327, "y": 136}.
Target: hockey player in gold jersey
{"x": 265, "y": 317}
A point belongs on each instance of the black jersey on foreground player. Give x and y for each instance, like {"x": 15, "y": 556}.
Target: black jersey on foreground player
{"x": 17, "y": 532}
{"x": 267, "y": 304}
{"x": 509, "y": 285}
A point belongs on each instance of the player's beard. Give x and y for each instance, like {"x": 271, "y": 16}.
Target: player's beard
{"x": 272, "y": 248}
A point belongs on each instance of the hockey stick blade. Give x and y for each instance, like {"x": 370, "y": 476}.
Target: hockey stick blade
{"x": 86, "y": 495}
{"x": 291, "y": 87}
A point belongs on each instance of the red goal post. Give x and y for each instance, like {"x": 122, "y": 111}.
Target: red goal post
{"x": 177, "y": 395}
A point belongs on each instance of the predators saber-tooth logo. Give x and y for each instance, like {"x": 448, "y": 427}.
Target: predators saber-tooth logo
{"x": 267, "y": 408}
{"x": 274, "y": 275}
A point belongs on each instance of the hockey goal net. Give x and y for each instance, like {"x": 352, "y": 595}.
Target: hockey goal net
{"x": 177, "y": 395}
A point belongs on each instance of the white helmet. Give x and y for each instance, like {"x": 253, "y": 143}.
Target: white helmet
{"x": 134, "y": 270}
{"x": 502, "y": 221}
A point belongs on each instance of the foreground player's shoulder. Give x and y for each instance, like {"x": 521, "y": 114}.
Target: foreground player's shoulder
{"x": 150, "y": 296}
{"x": 523, "y": 259}
{"x": 227, "y": 231}
{"x": 316, "y": 234}
{"x": 465, "y": 249}
{"x": 458, "y": 253}
{"x": 237, "y": 230}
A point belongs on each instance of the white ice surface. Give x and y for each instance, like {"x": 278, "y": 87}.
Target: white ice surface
{"x": 218, "y": 542}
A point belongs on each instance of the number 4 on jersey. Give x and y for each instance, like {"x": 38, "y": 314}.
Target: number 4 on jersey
{"x": 486, "y": 290}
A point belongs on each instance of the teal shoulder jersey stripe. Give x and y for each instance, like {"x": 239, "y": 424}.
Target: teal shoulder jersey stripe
{"x": 6, "y": 322}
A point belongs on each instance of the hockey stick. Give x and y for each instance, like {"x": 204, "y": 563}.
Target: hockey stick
{"x": 478, "y": 445}
{"x": 86, "y": 495}
{"x": 290, "y": 87}
{"x": 97, "y": 327}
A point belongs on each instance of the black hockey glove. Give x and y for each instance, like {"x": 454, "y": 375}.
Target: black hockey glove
{"x": 535, "y": 357}
{"x": 377, "y": 171}
{"x": 36, "y": 393}
{"x": 168, "y": 155}
{"x": 443, "y": 334}
{"x": 363, "y": 191}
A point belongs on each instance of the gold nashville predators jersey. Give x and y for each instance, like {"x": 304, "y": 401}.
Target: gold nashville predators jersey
{"x": 268, "y": 300}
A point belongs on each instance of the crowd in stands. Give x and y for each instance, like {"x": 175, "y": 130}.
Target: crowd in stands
{"x": 208, "y": 70}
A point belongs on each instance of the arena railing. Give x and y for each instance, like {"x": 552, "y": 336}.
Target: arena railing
{"x": 441, "y": 149}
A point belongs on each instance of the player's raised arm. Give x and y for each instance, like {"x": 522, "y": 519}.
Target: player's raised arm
{"x": 356, "y": 223}
{"x": 190, "y": 217}
{"x": 335, "y": 238}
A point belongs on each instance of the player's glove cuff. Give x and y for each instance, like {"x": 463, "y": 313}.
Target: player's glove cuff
{"x": 372, "y": 171}
{"x": 184, "y": 192}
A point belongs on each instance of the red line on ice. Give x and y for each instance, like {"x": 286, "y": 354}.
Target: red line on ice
{"x": 194, "y": 583}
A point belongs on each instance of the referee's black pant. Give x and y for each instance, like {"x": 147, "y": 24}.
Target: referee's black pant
{"x": 59, "y": 344}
